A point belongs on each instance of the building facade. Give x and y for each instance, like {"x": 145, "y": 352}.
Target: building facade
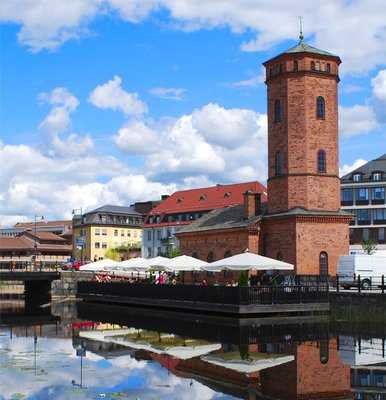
{"x": 40, "y": 249}
{"x": 363, "y": 195}
{"x": 184, "y": 207}
{"x": 107, "y": 227}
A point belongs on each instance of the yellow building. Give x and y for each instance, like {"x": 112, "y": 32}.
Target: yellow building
{"x": 105, "y": 228}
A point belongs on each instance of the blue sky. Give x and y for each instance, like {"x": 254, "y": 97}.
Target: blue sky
{"x": 112, "y": 101}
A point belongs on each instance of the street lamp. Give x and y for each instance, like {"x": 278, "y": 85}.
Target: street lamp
{"x": 41, "y": 217}
{"x": 78, "y": 212}
{"x": 80, "y": 352}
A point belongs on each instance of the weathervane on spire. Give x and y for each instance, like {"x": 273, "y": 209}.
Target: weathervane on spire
{"x": 301, "y": 37}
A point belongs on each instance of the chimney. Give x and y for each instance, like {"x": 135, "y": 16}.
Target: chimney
{"x": 252, "y": 204}
{"x": 164, "y": 197}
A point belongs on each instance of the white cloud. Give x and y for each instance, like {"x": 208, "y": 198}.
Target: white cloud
{"x": 110, "y": 95}
{"x": 379, "y": 85}
{"x": 356, "y": 120}
{"x": 58, "y": 121}
{"x": 46, "y": 24}
{"x": 31, "y": 182}
{"x": 135, "y": 137}
{"x": 212, "y": 144}
{"x": 168, "y": 93}
{"x": 346, "y": 168}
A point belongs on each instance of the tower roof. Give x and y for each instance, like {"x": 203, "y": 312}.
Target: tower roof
{"x": 303, "y": 47}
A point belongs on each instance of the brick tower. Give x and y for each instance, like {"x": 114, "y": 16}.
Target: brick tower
{"x": 304, "y": 224}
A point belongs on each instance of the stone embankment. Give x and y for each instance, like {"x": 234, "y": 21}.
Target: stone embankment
{"x": 66, "y": 286}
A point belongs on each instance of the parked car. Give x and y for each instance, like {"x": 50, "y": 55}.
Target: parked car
{"x": 366, "y": 270}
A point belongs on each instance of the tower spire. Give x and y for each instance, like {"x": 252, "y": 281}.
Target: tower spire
{"x": 301, "y": 37}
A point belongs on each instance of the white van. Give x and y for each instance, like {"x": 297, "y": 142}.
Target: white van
{"x": 369, "y": 268}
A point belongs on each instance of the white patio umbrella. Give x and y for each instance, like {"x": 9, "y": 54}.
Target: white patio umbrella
{"x": 185, "y": 263}
{"x": 131, "y": 262}
{"x": 157, "y": 263}
{"x": 99, "y": 265}
{"x": 248, "y": 366}
{"x": 247, "y": 261}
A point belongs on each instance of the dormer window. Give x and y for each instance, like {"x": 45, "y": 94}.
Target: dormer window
{"x": 357, "y": 177}
{"x": 377, "y": 176}
{"x": 227, "y": 195}
{"x": 203, "y": 197}
{"x": 179, "y": 200}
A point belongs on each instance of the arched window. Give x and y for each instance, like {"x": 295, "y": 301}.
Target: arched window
{"x": 313, "y": 65}
{"x": 296, "y": 65}
{"x": 320, "y": 107}
{"x": 277, "y": 111}
{"x": 278, "y": 163}
{"x": 322, "y": 161}
{"x": 323, "y": 264}
{"x": 227, "y": 254}
{"x": 210, "y": 257}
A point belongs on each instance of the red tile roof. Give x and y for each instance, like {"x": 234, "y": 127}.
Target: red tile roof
{"x": 45, "y": 236}
{"x": 209, "y": 198}
{"x": 40, "y": 224}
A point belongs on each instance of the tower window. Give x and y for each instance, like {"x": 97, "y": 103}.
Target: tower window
{"x": 322, "y": 161}
{"x": 313, "y": 65}
{"x": 296, "y": 65}
{"x": 320, "y": 107}
{"x": 210, "y": 257}
{"x": 277, "y": 111}
{"x": 278, "y": 163}
{"x": 323, "y": 264}
{"x": 328, "y": 67}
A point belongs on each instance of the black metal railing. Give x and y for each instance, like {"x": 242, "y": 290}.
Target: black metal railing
{"x": 360, "y": 283}
{"x": 280, "y": 294}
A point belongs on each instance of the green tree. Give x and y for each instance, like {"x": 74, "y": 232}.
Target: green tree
{"x": 174, "y": 252}
{"x": 369, "y": 246}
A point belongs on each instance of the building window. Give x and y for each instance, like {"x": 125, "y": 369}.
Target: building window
{"x": 159, "y": 251}
{"x": 148, "y": 235}
{"x": 227, "y": 254}
{"x": 324, "y": 349}
{"x": 313, "y": 65}
{"x": 379, "y": 214}
{"x": 122, "y": 232}
{"x": 115, "y": 232}
{"x": 379, "y": 193}
{"x": 277, "y": 111}
{"x": 322, "y": 161}
{"x": 104, "y": 232}
{"x": 328, "y": 67}
{"x": 158, "y": 234}
{"x": 317, "y": 66}
{"x": 149, "y": 251}
{"x": 128, "y": 234}
{"x": 357, "y": 177}
{"x": 362, "y": 194}
{"x": 210, "y": 257}
{"x": 278, "y": 163}
{"x": 363, "y": 216}
{"x": 97, "y": 245}
{"x": 97, "y": 232}
{"x": 195, "y": 255}
{"x": 323, "y": 264}
{"x": 296, "y": 65}
{"x": 366, "y": 234}
{"x": 377, "y": 176}
{"x": 320, "y": 107}
{"x": 104, "y": 245}
{"x": 381, "y": 234}
{"x": 347, "y": 195}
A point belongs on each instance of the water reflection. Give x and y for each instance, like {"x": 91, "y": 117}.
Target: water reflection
{"x": 87, "y": 351}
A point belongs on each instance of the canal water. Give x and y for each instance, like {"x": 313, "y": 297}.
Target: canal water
{"x": 86, "y": 351}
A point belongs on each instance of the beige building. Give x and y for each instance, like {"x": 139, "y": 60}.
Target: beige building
{"x": 105, "y": 228}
